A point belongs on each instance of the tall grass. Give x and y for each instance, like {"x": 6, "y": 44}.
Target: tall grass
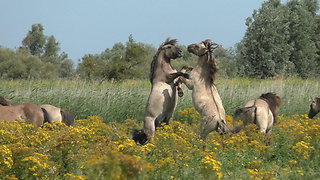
{"x": 116, "y": 102}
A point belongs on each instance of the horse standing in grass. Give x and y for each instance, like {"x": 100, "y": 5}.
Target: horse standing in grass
{"x": 205, "y": 96}
{"x": 162, "y": 100}
{"x": 56, "y": 114}
{"x": 261, "y": 111}
{"x": 314, "y": 107}
{"x": 27, "y": 112}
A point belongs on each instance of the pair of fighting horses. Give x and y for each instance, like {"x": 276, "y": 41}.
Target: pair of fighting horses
{"x": 166, "y": 81}
{"x": 34, "y": 114}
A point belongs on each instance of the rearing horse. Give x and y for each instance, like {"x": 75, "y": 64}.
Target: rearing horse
{"x": 162, "y": 100}
{"x": 205, "y": 96}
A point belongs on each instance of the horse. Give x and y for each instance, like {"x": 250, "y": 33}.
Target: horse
{"x": 261, "y": 111}
{"x": 314, "y": 107}
{"x": 205, "y": 96}
{"x": 27, "y": 112}
{"x": 162, "y": 99}
{"x": 56, "y": 114}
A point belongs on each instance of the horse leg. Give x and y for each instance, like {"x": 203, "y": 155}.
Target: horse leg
{"x": 179, "y": 87}
{"x": 149, "y": 126}
{"x": 268, "y": 138}
{"x": 205, "y": 127}
{"x": 172, "y": 76}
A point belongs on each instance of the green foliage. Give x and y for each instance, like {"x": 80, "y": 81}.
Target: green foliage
{"x": 280, "y": 40}
{"x": 37, "y": 59}
{"x": 35, "y": 40}
{"x": 22, "y": 65}
{"x": 127, "y": 99}
{"x": 121, "y": 62}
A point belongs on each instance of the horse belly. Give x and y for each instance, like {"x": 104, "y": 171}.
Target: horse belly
{"x": 205, "y": 105}
{"x": 162, "y": 99}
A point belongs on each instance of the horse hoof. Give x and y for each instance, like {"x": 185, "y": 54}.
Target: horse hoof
{"x": 180, "y": 94}
{"x": 186, "y": 76}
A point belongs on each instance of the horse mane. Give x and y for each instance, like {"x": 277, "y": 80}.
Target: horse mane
{"x": 4, "y": 101}
{"x": 155, "y": 57}
{"x": 273, "y": 101}
{"x": 213, "y": 69}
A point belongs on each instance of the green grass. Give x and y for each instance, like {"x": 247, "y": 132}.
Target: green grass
{"x": 116, "y": 102}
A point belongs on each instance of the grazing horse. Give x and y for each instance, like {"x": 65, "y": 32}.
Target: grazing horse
{"x": 162, "y": 100}
{"x": 56, "y": 114}
{"x": 261, "y": 111}
{"x": 205, "y": 96}
{"x": 26, "y": 112}
{"x": 314, "y": 107}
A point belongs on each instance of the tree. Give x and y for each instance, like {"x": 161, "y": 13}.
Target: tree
{"x": 35, "y": 40}
{"x": 121, "y": 62}
{"x": 279, "y": 40}
{"x": 52, "y": 47}
{"x": 66, "y": 68}
{"x": 302, "y": 33}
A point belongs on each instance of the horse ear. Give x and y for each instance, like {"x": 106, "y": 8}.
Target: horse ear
{"x": 310, "y": 98}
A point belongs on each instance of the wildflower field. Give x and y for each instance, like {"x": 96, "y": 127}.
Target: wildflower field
{"x": 99, "y": 146}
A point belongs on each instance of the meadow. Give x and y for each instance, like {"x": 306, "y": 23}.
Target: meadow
{"x": 116, "y": 102}
{"x": 100, "y": 145}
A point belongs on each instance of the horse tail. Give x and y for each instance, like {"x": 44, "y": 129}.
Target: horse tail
{"x": 67, "y": 117}
{"x": 46, "y": 116}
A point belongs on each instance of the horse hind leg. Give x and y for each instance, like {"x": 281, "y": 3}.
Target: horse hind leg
{"x": 149, "y": 126}
{"x": 45, "y": 116}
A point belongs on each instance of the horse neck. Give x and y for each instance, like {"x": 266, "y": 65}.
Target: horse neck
{"x": 204, "y": 69}
{"x": 162, "y": 68}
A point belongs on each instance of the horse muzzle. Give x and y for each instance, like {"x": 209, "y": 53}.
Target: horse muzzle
{"x": 311, "y": 114}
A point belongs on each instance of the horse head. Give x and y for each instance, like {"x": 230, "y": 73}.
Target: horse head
{"x": 314, "y": 107}
{"x": 205, "y": 50}
{"x": 4, "y": 101}
{"x": 167, "y": 51}
{"x": 171, "y": 51}
{"x": 67, "y": 117}
{"x": 274, "y": 101}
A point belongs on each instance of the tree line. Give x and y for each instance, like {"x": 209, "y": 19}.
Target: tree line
{"x": 282, "y": 39}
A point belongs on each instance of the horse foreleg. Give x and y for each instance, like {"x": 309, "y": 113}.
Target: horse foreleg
{"x": 179, "y": 87}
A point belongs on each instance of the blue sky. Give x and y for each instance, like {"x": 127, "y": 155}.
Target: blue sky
{"x": 89, "y": 27}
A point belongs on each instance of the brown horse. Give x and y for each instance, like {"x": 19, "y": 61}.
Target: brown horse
{"x": 205, "y": 96}
{"x": 314, "y": 107}
{"x": 261, "y": 111}
{"x": 162, "y": 100}
{"x": 27, "y": 112}
{"x": 56, "y": 114}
